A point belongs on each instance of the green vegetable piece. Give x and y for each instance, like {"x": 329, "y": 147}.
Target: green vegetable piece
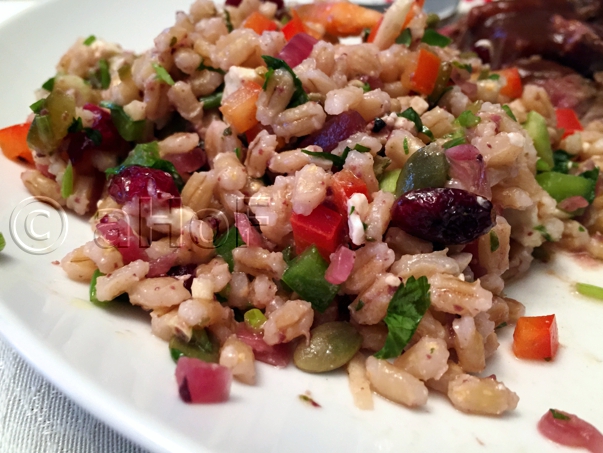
{"x": 130, "y": 130}
{"x": 95, "y": 276}
{"x": 563, "y": 161}
{"x": 366, "y": 87}
{"x": 433, "y": 38}
{"x": 299, "y": 95}
{"x": 37, "y": 106}
{"x": 306, "y": 276}
{"x": 105, "y": 76}
{"x": 441, "y": 86}
{"x": 389, "y": 180}
{"x": 454, "y": 142}
{"x": 468, "y": 119}
{"x": 596, "y": 292}
{"x": 542, "y": 166}
{"x": 331, "y": 346}
{"x": 2, "y": 242}
{"x": 494, "y": 241}
{"x": 89, "y": 40}
{"x": 162, "y": 74}
{"x": 433, "y": 20}
{"x": 267, "y": 78}
{"x": 67, "y": 183}
{"x": 49, "y": 84}
{"x": 288, "y": 253}
{"x": 405, "y": 311}
{"x": 411, "y": 115}
{"x": 558, "y": 415}
{"x": 147, "y": 155}
{"x": 40, "y": 137}
{"x": 227, "y": 21}
{"x": 203, "y": 66}
{"x": 226, "y": 243}
{"x": 537, "y": 129}
{"x": 213, "y": 101}
{"x": 405, "y": 38}
{"x": 254, "y": 318}
{"x": 47, "y": 131}
{"x": 201, "y": 346}
{"x": 561, "y": 186}
{"x": 509, "y": 112}
{"x": 545, "y": 234}
{"x": 426, "y": 168}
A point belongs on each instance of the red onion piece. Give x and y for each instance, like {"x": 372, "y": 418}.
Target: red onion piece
{"x": 248, "y": 233}
{"x": 572, "y": 204}
{"x": 188, "y": 162}
{"x": 342, "y": 263}
{"x": 335, "y": 129}
{"x": 297, "y": 49}
{"x": 278, "y": 355}
{"x": 160, "y": 266}
{"x": 468, "y": 169}
{"x": 568, "y": 429}
{"x": 202, "y": 382}
{"x": 120, "y": 235}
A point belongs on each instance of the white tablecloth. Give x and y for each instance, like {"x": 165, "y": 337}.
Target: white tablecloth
{"x": 35, "y": 417}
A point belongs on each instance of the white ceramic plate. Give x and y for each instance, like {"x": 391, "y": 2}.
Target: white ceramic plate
{"x": 108, "y": 361}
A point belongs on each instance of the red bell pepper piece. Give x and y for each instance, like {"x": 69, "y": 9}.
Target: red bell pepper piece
{"x": 323, "y": 228}
{"x": 344, "y": 184}
{"x": 259, "y": 23}
{"x": 423, "y": 79}
{"x": 568, "y": 121}
{"x": 536, "y": 337}
{"x": 513, "y": 87}
{"x": 293, "y": 27}
{"x": 13, "y": 141}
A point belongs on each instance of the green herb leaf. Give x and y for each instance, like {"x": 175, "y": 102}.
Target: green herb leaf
{"x": 299, "y": 95}
{"x": 49, "y": 84}
{"x": 405, "y": 146}
{"x": 162, "y": 74}
{"x": 494, "y": 76}
{"x": 267, "y": 78}
{"x": 509, "y": 112}
{"x": 203, "y": 66}
{"x": 147, "y": 155}
{"x": 545, "y": 234}
{"x": 94, "y": 135}
{"x": 227, "y": 21}
{"x": 405, "y": 38}
{"x": 366, "y": 87}
{"x": 558, "y": 415}
{"x": 201, "y": 346}
{"x": 352, "y": 210}
{"x": 37, "y": 106}
{"x": 465, "y": 66}
{"x": 226, "y": 243}
{"x": 406, "y": 309}
{"x": 454, "y": 142}
{"x": 89, "y": 40}
{"x": 501, "y": 325}
{"x": 468, "y": 119}
{"x": 593, "y": 176}
{"x": 67, "y": 183}
{"x": 433, "y": 38}
{"x": 494, "y": 241}
{"x": 2, "y": 242}
{"x": 213, "y": 101}
{"x": 563, "y": 161}
{"x": 366, "y": 32}
{"x": 593, "y": 291}
{"x": 361, "y": 148}
{"x": 75, "y": 126}
{"x": 411, "y": 115}
{"x": 104, "y": 75}
{"x": 237, "y": 151}
{"x": 130, "y": 130}
{"x": 338, "y": 161}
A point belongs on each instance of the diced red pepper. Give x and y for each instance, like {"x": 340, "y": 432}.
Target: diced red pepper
{"x": 323, "y": 228}
{"x": 423, "y": 79}
{"x": 513, "y": 87}
{"x": 339, "y": 18}
{"x": 239, "y": 109}
{"x": 344, "y": 184}
{"x": 568, "y": 121}
{"x": 536, "y": 337}
{"x": 293, "y": 27}
{"x": 13, "y": 141}
{"x": 374, "y": 30}
{"x": 259, "y": 23}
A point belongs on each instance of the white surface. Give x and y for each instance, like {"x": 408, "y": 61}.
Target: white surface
{"x": 107, "y": 360}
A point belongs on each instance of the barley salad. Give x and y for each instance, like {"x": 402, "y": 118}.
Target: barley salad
{"x": 269, "y": 194}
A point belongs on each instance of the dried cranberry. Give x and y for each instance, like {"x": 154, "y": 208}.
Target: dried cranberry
{"x": 444, "y": 216}
{"x": 142, "y": 182}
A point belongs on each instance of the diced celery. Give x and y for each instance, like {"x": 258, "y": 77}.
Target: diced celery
{"x": 537, "y": 129}
{"x": 561, "y": 186}
{"x": 306, "y": 276}
{"x": 67, "y": 183}
{"x": 130, "y": 130}
{"x": 593, "y": 291}
{"x": 389, "y": 180}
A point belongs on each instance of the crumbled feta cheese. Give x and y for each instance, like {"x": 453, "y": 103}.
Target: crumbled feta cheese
{"x": 358, "y": 210}
{"x": 392, "y": 280}
{"x": 360, "y": 205}
{"x": 516, "y": 139}
{"x": 202, "y": 288}
{"x": 235, "y": 77}
{"x": 356, "y": 228}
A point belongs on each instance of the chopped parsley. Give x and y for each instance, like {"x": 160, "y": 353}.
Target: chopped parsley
{"x": 454, "y": 142}
{"x": 162, "y": 74}
{"x": 227, "y": 21}
{"x": 465, "y": 66}
{"x": 89, "y": 40}
{"x": 509, "y": 112}
{"x": 267, "y": 78}
{"x": 405, "y": 37}
{"x": 433, "y": 38}
{"x": 203, "y": 66}
{"x": 563, "y": 161}
{"x": 545, "y": 234}
{"x": 366, "y": 87}
{"x": 352, "y": 210}
{"x": 130, "y": 130}
{"x": 104, "y": 76}
{"x": 361, "y": 148}
{"x": 558, "y": 415}
{"x": 501, "y": 325}
{"x": 494, "y": 241}
{"x": 49, "y": 84}
{"x": 406, "y": 309}
{"x": 338, "y": 161}
{"x": 581, "y": 229}
{"x": 237, "y": 151}
{"x": 299, "y": 95}
{"x": 412, "y": 115}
